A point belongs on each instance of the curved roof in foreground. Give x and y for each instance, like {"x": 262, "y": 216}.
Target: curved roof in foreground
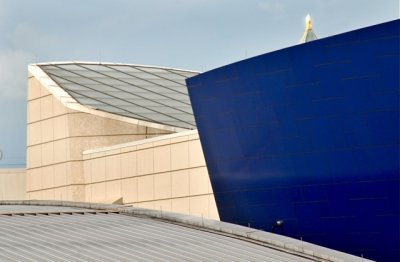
{"x": 149, "y": 94}
{"x": 70, "y": 231}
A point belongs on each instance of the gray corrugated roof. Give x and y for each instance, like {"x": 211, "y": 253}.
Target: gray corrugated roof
{"x": 152, "y": 94}
{"x": 112, "y": 237}
{"x": 136, "y": 234}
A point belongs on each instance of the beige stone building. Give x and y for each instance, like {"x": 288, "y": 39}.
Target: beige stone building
{"x": 12, "y": 184}
{"x": 115, "y": 133}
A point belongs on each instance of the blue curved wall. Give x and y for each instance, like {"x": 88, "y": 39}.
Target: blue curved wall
{"x": 309, "y": 135}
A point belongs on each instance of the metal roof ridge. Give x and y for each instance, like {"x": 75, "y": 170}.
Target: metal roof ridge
{"x": 111, "y": 63}
{"x": 275, "y": 241}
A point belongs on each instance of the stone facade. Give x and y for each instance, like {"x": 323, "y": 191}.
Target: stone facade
{"x": 165, "y": 173}
{"x": 12, "y": 184}
{"x": 82, "y": 155}
{"x": 56, "y": 138}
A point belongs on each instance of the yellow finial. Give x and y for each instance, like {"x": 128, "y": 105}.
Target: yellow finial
{"x": 308, "y": 22}
{"x": 308, "y": 34}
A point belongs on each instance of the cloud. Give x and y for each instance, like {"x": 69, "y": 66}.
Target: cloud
{"x": 13, "y": 77}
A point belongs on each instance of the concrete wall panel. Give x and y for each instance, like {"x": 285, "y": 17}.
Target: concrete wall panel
{"x": 113, "y": 167}
{"x": 48, "y": 177}
{"x": 60, "y": 175}
{"x": 129, "y": 189}
{"x": 33, "y": 88}
{"x": 181, "y": 205}
{"x": 128, "y": 164}
{"x": 199, "y": 181}
{"x": 98, "y": 169}
{"x": 113, "y": 191}
{"x": 145, "y": 188}
{"x": 162, "y": 159}
{"x": 33, "y": 111}
{"x": 145, "y": 161}
{"x": 196, "y": 157}
{"x": 34, "y": 134}
{"x": 12, "y": 184}
{"x": 60, "y": 127}
{"x": 162, "y": 186}
{"x": 47, "y": 154}
{"x": 34, "y": 156}
{"x": 179, "y": 156}
{"x": 58, "y": 108}
{"x": 46, "y": 107}
{"x": 180, "y": 183}
{"x": 60, "y": 151}
{"x": 150, "y": 179}
{"x": 199, "y": 206}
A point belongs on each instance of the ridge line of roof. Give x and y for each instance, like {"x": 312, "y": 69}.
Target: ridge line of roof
{"x": 111, "y": 63}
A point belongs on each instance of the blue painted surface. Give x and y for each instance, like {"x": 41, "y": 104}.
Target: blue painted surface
{"x": 309, "y": 135}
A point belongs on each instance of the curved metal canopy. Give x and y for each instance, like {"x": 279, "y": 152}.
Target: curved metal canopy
{"x": 152, "y": 94}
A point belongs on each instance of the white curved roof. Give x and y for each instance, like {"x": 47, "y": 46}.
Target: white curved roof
{"x": 151, "y": 94}
{"x": 73, "y": 231}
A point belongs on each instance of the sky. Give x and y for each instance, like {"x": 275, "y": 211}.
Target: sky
{"x": 189, "y": 34}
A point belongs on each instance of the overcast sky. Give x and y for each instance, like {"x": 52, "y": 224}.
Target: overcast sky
{"x": 188, "y": 34}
